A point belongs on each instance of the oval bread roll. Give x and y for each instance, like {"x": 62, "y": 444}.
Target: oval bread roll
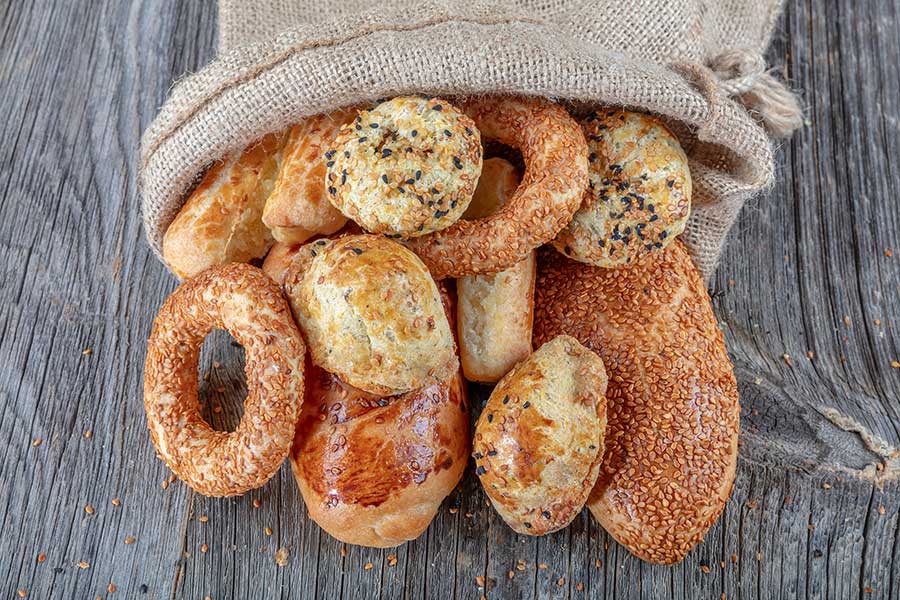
{"x": 371, "y": 313}
{"x": 298, "y": 207}
{"x": 539, "y": 440}
{"x": 373, "y": 471}
{"x": 674, "y": 416}
{"x": 495, "y": 311}
{"x": 221, "y": 222}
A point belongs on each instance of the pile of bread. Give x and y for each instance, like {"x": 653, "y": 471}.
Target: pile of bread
{"x": 398, "y": 261}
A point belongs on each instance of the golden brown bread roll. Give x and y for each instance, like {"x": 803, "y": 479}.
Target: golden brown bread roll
{"x": 495, "y": 311}
{"x": 639, "y": 196}
{"x": 539, "y": 440}
{"x": 373, "y": 471}
{"x": 671, "y": 439}
{"x": 298, "y": 207}
{"x": 221, "y": 222}
{"x": 371, "y": 314}
{"x": 279, "y": 259}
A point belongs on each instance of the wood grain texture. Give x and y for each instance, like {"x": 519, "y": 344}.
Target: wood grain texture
{"x": 815, "y": 507}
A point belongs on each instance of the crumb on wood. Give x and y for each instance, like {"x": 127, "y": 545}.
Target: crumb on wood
{"x": 281, "y": 557}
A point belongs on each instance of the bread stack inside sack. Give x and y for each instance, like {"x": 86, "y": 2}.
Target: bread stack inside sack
{"x": 372, "y": 260}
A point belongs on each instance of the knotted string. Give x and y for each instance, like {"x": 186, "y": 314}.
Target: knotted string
{"x": 742, "y": 75}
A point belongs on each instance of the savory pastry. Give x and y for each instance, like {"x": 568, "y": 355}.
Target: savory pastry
{"x": 539, "y": 440}
{"x": 671, "y": 440}
{"x": 371, "y": 314}
{"x": 556, "y": 175}
{"x": 278, "y": 260}
{"x": 298, "y": 207}
{"x": 245, "y": 302}
{"x": 221, "y": 222}
{"x": 374, "y": 470}
{"x": 406, "y": 167}
{"x": 495, "y": 311}
{"x": 639, "y": 198}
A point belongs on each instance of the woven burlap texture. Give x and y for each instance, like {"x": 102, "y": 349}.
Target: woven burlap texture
{"x": 697, "y": 63}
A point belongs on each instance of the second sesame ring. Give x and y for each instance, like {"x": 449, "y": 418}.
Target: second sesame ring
{"x": 244, "y": 301}
{"x": 556, "y": 174}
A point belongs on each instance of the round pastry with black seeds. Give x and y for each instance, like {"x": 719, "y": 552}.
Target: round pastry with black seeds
{"x": 539, "y": 440}
{"x": 639, "y": 196}
{"x": 371, "y": 314}
{"x": 406, "y": 168}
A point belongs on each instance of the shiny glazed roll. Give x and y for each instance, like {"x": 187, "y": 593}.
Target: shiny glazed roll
{"x": 373, "y": 470}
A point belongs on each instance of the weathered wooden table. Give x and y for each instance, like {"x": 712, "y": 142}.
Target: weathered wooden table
{"x": 808, "y": 294}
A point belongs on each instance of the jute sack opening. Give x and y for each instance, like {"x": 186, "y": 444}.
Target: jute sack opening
{"x": 697, "y": 63}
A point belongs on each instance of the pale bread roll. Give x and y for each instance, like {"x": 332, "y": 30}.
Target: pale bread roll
{"x": 673, "y": 412}
{"x": 298, "y": 207}
{"x": 370, "y": 313}
{"x": 539, "y": 440}
{"x": 495, "y": 311}
{"x": 221, "y": 222}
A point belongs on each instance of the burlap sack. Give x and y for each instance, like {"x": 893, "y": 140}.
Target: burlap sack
{"x": 698, "y": 63}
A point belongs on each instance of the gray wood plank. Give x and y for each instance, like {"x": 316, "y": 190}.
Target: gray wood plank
{"x": 805, "y": 270}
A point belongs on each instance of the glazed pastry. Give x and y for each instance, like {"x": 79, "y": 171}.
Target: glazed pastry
{"x": 639, "y": 197}
{"x": 405, "y": 168}
{"x": 495, "y": 311}
{"x": 221, "y": 222}
{"x": 539, "y": 440}
{"x": 374, "y": 470}
{"x": 371, "y": 314}
{"x": 671, "y": 439}
{"x": 298, "y": 207}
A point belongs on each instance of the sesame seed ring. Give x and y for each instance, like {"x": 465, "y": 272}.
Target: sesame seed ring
{"x": 405, "y": 168}
{"x": 556, "y": 173}
{"x": 242, "y": 300}
{"x": 639, "y": 197}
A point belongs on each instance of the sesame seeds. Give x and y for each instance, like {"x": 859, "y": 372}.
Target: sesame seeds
{"x": 567, "y": 293}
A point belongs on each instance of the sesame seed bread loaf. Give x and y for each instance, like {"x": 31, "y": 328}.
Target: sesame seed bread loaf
{"x": 639, "y": 196}
{"x": 221, "y": 222}
{"x": 671, "y": 440}
{"x": 539, "y": 440}
{"x": 495, "y": 311}
{"x": 371, "y": 314}
{"x": 298, "y": 207}
{"x": 374, "y": 470}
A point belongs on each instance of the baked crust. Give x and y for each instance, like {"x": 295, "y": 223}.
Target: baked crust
{"x": 371, "y": 314}
{"x": 405, "y": 168}
{"x": 242, "y": 300}
{"x": 374, "y": 470}
{"x": 674, "y": 415}
{"x": 556, "y": 174}
{"x": 298, "y": 207}
{"x": 495, "y": 311}
{"x": 639, "y": 198}
{"x": 221, "y": 221}
{"x": 539, "y": 440}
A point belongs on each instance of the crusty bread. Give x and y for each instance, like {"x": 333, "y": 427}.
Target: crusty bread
{"x": 298, "y": 207}
{"x": 373, "y": 471}
{"x": 539, "y": 440}
{"x": 371, "y": 314}
{"x": 495, "y": 311}
{"x": 405, "y": 168}
{"x": 221, "y": 222}
{"x": 671, "y": 440}
{"x": 278, "y": 260}
{"x": 639, "y": 197}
